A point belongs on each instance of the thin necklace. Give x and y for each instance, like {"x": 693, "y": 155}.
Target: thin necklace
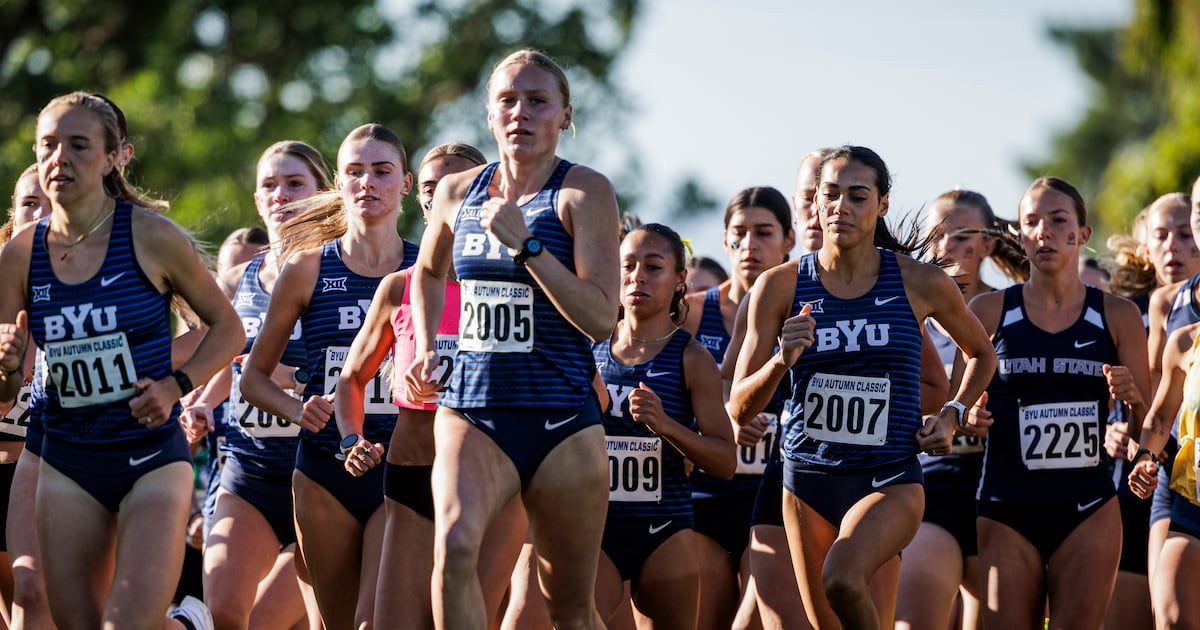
{"x": 630, "y": 334}
{"x": 67, "y": 248}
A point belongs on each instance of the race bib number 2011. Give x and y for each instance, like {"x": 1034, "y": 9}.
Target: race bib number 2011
{"x": 378, "y": 395}
{"x": 752, "y": 460}
{"x": 496, "y": 317}
{"x": 847, "y": 409}
{"x": 91, "y": 371}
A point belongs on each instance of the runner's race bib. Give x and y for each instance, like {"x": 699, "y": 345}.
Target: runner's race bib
{"x": 254, "y": 421}
{"x": 752, "y": 460}
{"x": 634, "y": 468}
{"x": 91, "y": 371}
{"x": 496, "y": 317}
{"x": 377, "y": 398}
{"x": 1060, "y": 435}
{"x": 847, "y": 409}
{"x": 447, "y": 347}
{"x": 17, "y": 419}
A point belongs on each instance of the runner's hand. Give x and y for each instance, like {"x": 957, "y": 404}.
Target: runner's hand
{"x": 363, "y": 457}
{"x": 316, "y": 412}
{"x": 752, "y": 432}
{"x": 1117, "y": 442}
{"x": 796, "y": 335}
{"x": 978, "y": 419}
{"x": 153, "y": 406}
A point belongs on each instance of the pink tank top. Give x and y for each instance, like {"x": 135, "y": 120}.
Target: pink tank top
{"x": 405, "y": 348}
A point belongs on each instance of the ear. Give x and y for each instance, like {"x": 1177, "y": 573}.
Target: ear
{"x": 408, "y": 183}
{"x": 883, "y": 205}
{"x": 1085, "y": 235}
{"x": 568, "y": 117}
{"x": 789, "y": 237}
{"x": 989, "y": 246}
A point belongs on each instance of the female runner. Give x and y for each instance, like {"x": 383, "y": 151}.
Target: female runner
{"x": 758, "y": 236}
{"x": 403, "y": 596}
{"x": 665, "y": 405}
{"x": 249, "y": 554}
{"x": 1178, "y": 396}
{"x": 533, "y": 242}
{"x": 942, "y": 561}
{"x": 29, "y": 204}
{"x": 1160, "y": 251}
{"x": 336, "y": 250}
{"x": 1047, "y": 514}
{"x": 848, "y": 320}
{"x": 115, "y": 480}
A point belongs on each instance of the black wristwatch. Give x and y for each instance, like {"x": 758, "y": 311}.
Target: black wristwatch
{"x": 1143, "y": 451}
{"x": 347, "y": 444}
{"x": 530, "y": 248}
{"x": 184, "y": 382}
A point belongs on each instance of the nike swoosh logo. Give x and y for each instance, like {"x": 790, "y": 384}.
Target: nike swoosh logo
{"x": 882, "y": 301}
{"x": 652, "y": 374}
{"x": 1084, "y": 344}
{"x": 875, "y": 483}
{"x": 655, "y": 530}
{"x": 110, "y": 279}
{"x": 533, "y": 212}
{"x": 1083, "y": 507}
{"x": 550, "y": 426}
{"x": 142, "y": 460}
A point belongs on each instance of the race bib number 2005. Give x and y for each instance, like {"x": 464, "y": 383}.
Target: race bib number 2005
{"x": 496, "y": 317}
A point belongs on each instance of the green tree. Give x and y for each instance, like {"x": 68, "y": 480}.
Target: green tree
{"x": 208, "y": 84}
{"x": 1140, "y": 137}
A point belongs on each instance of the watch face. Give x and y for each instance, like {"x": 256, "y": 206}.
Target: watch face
{"x": 349, "y": 441}
{"x": 535, "y": 246}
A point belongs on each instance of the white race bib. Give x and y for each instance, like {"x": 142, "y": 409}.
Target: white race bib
{"x": 496, "y": 317}
{"x": 378, "y": 396}
{"x": 752, "y": 460}
{"x": 17, "y": 418}
{"x": 634, "y": 468}
{"x": 447, "y": 347}
{"x": 254, "y": 421}
{"x": 847, "y": 409}
{"x": 1060, "y": 435}
{"x": 91, "y": 371}
{"x": 966, "y": 445}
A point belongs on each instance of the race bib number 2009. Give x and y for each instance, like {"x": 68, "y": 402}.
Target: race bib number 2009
{"x": 634, "y": 468}
{"x": 496, "y": 317}
{"x": 847, "y": 409}
{"x": 91, "y": 371}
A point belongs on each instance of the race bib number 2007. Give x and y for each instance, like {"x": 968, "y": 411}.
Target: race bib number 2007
{"x": 847, "y": 409}
{"x": 496, "y": 317}
{"x": 91, "y": 371}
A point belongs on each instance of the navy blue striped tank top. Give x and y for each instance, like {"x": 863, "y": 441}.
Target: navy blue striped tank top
{"x": 515, "y": 349}
{"x": 1049, "y": 401}
{"x": 262, "y": 443}
{"x": 712, "y": 333}
{"x": 1184, "y": 310}
{"x": 98, "y": 338}
{"x": 856, "y": 392}
{"x": 336, "y": 310}
{"x": 646, "y": 475}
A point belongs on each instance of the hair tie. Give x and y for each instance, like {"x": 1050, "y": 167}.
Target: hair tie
{"x": 687, "y": 244}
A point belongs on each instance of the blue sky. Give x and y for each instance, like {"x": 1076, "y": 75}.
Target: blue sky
{"x": 949, "y": 93}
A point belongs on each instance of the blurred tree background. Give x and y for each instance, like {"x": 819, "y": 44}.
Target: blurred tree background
{"x": 208, "y": 84}
{"x": 1140, "y": 136}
